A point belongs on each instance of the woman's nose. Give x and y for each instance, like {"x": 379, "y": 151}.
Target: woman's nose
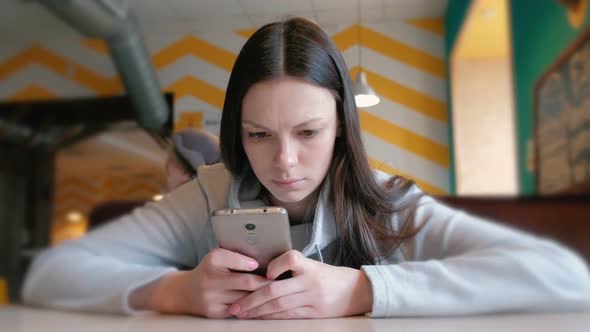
{"x": 286, "y": 155}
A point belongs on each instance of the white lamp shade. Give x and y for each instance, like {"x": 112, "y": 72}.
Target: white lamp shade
{"x": 364, "y": 95}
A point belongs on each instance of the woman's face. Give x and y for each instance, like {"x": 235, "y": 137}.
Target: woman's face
{"x": 288, "y": 131}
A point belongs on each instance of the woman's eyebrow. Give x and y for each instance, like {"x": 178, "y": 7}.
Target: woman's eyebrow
{"x": 310, "y": 121}
{"x": 253, "y": 124}
{"x": 305, "y": 123}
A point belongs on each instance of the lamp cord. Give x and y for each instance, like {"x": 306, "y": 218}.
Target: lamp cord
{"x": 358, "y": 30}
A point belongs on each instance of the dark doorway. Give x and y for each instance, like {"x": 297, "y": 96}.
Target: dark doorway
{"x": 31, "y": 135}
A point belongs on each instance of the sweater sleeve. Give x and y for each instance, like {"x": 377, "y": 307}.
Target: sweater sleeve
{"x": 461, "y": 264}
{"x": 98, "y": 271}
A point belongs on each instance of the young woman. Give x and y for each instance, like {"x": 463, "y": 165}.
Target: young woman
{"x": 365, "y": 243}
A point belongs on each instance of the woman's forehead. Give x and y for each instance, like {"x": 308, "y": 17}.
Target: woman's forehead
{"x": 288, "y": 98}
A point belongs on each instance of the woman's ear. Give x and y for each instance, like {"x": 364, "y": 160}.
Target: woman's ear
{"x": 339, "y": 130}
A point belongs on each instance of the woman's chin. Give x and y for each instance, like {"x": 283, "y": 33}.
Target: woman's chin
{"x": 289, "y": 197}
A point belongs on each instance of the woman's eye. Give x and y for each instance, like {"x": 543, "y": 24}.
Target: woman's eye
{"x": 258, "y": 134}
{"x": 309, "y": 133}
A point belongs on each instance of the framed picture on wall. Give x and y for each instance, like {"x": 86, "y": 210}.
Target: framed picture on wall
{"x": 562, "y": 122}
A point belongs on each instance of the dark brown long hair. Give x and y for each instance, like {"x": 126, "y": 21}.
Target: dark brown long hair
{"x": 363, "y": 208}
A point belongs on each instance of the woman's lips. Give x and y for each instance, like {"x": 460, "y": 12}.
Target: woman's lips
{"x": 288, "y": 184}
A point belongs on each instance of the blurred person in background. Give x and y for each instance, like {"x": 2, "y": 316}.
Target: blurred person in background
{"x": 191, "y": 148}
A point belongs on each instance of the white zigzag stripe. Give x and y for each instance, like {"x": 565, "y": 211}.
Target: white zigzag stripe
{"x": 332, "y": 29}
{"x": 192, "y": 103}
{"x": 195, "y": 67}
{"x": 157, "y": 41}
{"x": 396, "y": 71}
{"x": 11, "y": 50}
{"x": 211, "y": 115}
{"x": 36, "y": 74}
{"x": 407, "y": 162}
{"x": 418, "y": 123}
{"x": 411, "y": 36}
{"x": 82, "y": 55}
{"x": 227, "y": 40}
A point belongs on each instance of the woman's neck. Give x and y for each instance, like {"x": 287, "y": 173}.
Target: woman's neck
{"x": 296, "y": 210}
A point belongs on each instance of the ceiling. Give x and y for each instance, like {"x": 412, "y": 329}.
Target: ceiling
{"x": 212, "y": 15}
{"x": 254, "y": 13}
{"x": 127, "y": 150}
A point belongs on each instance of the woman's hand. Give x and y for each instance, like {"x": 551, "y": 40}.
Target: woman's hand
{"x": 208, "y": 290}
{"x": 316, "y": 290}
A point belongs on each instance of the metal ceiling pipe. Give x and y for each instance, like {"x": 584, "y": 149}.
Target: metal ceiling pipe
{"x": 114, "y": 22}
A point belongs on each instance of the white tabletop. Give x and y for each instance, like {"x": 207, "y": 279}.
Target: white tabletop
{"x": 23, "y": 319}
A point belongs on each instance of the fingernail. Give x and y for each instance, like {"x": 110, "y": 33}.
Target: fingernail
{"x": 234, "y": 309}
{"x": 252, "y": 265}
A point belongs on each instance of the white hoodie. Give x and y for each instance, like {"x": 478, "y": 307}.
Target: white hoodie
{"x": 457, "y": 264}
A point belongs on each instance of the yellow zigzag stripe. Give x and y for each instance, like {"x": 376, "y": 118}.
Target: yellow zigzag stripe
{"x": 435, "y": 25}
{"x": 88, "y": 197}
{"x": 60, "y": 65}
{"x": 346, "y": 38}
{"x": 390, "y": 170}
{"x": 404, "y": 95}
{"x": 107, "y": 86}
{"x": 405, "y": 139}
{"x": 97, "y": 45}
{"x": 74, "y": 192}
{"x": 187, "y": 45}
{"x": 78, "y": 186}
{"x": 246, "y": 33}
{"x": 65, "y": 183}
{"x": 391, "y": 48}
{"x": 32, "y": 92}
{"x": 199, "y": 89}
{"x": 196, "y": 47}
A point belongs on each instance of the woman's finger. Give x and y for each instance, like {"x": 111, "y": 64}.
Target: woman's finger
{"x": 217, "y": 311}
{"x": 272, "y": 291}
{"x": 296, "y": 313}
{"x": 292, "y": 260}
{"x": 277, "y": 305}
{"x": 229, "y": 297}
{"x": 239, "y": 281}
{"x": 222, "y": 259}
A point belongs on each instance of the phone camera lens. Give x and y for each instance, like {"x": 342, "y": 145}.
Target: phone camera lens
{"x": 250, "y": 227}
{"x": 264, "y": 210}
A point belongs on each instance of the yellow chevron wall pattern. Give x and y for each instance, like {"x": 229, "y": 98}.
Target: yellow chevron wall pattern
{"x": 406, "y": 134}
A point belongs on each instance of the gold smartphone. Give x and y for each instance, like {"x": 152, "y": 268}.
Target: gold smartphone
{"x": 260, "y": 233}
